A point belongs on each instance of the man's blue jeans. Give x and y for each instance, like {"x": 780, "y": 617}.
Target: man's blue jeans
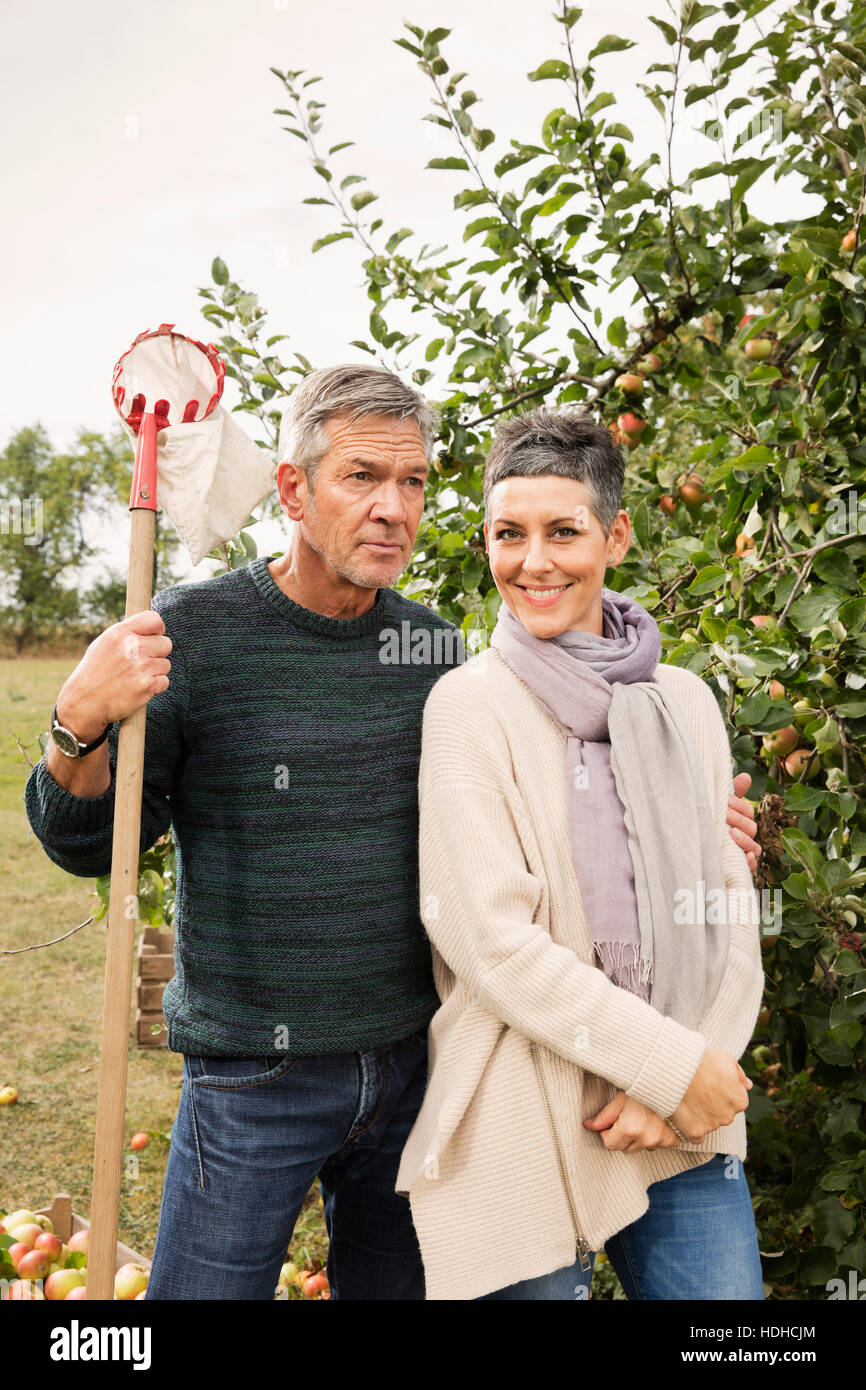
{"x": 697, "y": 1240}
{"x": 250, "y": 1137}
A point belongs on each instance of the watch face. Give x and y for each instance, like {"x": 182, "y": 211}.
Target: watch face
{"x": 65, "y": 742}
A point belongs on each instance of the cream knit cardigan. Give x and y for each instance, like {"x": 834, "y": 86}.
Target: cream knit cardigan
{"x": 531, "y": 1037}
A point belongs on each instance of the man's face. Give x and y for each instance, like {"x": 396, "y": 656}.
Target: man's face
{"x": 363, "y": 516}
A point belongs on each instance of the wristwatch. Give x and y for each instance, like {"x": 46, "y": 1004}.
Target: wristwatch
{"x": 68, "y": 743}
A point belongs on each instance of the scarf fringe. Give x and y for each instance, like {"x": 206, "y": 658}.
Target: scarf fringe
{"x": 624, "y": 966}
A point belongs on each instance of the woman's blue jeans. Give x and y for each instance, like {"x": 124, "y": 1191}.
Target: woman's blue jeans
{"x": 697, "y": 1240}
{"x": 250, "y": 1137}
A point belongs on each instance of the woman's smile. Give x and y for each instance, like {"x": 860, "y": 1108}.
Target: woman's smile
{"x": 542, "y": 596}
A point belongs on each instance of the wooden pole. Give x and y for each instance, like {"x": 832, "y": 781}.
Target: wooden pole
{"x": 120, "y": 950}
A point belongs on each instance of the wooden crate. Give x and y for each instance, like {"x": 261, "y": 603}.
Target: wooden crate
{"x": 65, "y": 1221}
{"x": 155, "y": 969}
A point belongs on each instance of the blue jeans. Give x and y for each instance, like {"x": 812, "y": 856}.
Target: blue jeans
{"x": 251, "y": 1135}
{"x": 696, "y": 1240}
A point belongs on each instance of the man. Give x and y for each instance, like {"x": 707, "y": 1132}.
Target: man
{"x": 284, "y": 753}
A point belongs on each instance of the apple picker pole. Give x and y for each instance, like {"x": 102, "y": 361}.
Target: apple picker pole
{"x": 176, "y": 374}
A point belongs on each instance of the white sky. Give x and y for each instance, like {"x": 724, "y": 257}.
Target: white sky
{"x": 138, "y": 142}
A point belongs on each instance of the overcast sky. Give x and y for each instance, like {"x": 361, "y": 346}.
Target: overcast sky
{"x": 139, "y": 142}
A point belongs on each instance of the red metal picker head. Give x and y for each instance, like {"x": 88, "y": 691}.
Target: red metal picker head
{"x": 163, "y": 379}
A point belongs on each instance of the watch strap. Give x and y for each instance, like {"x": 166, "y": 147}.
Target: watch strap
{"x": 83, "y": 748}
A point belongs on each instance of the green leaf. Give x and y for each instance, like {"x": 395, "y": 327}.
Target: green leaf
{"x": 219, "y": 271}
{"x": 452, "y": 162}
{"x": 611, "y": 43}
{"x": 668, "y": 30}
{"x": 554, "y": 67}
{"x": 707, "y": 579}
{"x": 326, "y": 240}
{"x": 361, "y": 200}
{"x": 617, "y": 332}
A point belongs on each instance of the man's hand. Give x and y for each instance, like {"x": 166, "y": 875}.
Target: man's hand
{"x": 627, "y": 1126}
{"x": 741, "y": 819}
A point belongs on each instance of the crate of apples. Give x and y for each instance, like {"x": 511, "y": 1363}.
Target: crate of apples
{"x": 43, "y": 1256}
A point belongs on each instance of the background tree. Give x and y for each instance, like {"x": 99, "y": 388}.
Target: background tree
{"x": 735, "y": 384}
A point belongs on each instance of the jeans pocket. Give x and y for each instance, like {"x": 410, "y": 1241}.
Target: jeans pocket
{"x": 238, "y": 1073}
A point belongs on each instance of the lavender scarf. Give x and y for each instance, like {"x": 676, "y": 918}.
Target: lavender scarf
{"x": 642, "y": 833}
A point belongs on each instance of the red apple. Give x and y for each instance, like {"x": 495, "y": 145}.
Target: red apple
{"x": 25, "y": 1289}
{"x": 758, "y": 349}
{"x": 130, "y": 1280}
{"x": 744, "y": 543}
{"x": 796, "y": 761}
{"x": 315, "y": 1285}
{"x": 79, "y": 1240}
{"x": 777, "y": 690}
{"x": 765, "y": 620}
{"x": 667, "y": 503}
{"x": 34, "y": 1265}
{"x": 630, "y": 423}
{"x": 50, "y": 1244}
{"x": 629, "y": 382}
{"x": 849, "y": 240}
{"x": 29, "y": 1232}
{"x": 8, "y": 1095}
{"x": 747, "y": 318}
{"x": 139, "y": 1141}
{"x": 691, "y": 488}
{"x": 58, "y": 1285}
{"x": 17, "y": 1251}
{"x": 651, "y": 363}
{"x": 782, "y": 741}
{"x": 80, "y": 1291}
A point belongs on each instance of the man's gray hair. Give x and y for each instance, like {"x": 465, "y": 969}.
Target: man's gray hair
{"x": 351, "y": 389}
{"x": 567, "y": 443}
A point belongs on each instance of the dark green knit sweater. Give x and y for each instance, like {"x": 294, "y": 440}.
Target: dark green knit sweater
{"x": 285, "y": 756}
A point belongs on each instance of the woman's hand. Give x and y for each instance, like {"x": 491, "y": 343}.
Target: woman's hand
{"x": 717, "y": 1093}
{"x": 741, "y": 820}
{"x": 627, "y": 1126}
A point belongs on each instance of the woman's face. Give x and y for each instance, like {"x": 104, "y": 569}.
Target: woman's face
{"x": 548, "y": 552}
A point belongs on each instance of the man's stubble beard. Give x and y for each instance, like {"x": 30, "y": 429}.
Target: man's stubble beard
{"x": 347, "y": 570}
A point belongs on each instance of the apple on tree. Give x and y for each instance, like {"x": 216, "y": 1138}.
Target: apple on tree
{"x": 758, "y": 349}
{"x": 630, "y": 382}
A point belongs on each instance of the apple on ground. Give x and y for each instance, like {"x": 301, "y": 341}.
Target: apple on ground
{"x": 8, "y": 1095}
{"x": 758, "y": 349}
{"x": 288, "y": 1273}
{"x": 130, "y": 1280}
{"x": 58, "y": 1285}
{"x": 139, "y": 1141}
{"x": 315, "y": 1285}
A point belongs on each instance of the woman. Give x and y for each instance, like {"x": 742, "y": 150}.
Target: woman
{"x": 595, "y": 939}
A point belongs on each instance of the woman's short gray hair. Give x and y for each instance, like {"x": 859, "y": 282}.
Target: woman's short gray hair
{"x": 566, "y": 443}
{"x": 351, "y": 389}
